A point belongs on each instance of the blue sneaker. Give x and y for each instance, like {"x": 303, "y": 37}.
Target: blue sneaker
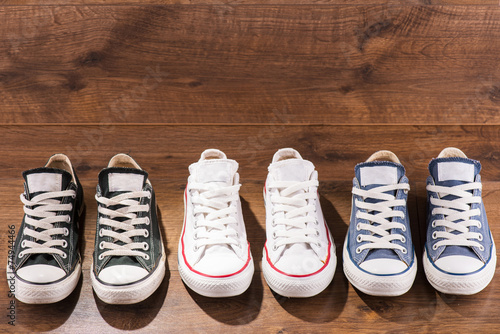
{"x": 379, "y": 258}
{"x": 460, "y": 255}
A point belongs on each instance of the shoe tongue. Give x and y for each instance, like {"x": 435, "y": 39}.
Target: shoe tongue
{"x": 44, "y": 179}
{"x": 291, "y": 170}
{"x": 453, "y": 171}
{"x": 378, "y": 173}
{"x": 215, "y": 171}
{"x": 115, "y": 180}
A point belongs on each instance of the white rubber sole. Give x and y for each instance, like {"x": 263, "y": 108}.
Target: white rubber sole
{"x": 132, "y": 293}
{"x": 31, "y": 293}
{"x": 460, "y": 284}
{"x": 299, "y": 287}
{"x": 377, "y": 285}
{"x": 217, "y": 287}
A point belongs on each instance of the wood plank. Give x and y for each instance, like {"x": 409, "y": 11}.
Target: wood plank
{"x": 166, "y": 151}
{"x": 174, "y": 308}
{"x": 303, "y": 64}
{"x": 226, "y": 6}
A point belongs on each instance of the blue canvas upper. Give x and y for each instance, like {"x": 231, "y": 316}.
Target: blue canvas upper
{"x": 353, "y": 232}
{"x": 443, "y": 251}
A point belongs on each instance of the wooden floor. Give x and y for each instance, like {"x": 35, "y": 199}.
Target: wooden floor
{"x": 163, "y": 80}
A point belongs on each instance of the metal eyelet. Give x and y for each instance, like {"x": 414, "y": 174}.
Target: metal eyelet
{"x": 146, "y": 257}
{"x": 358, "y": 227}
{"x": 145, "y": 246}
{"x": 316, "y": 222}
{"x": 359, "y": 239}
{"x": 146, "y": 233}
{"x": 481, "y": 248}
{"x": 64, "y": 255}
{"x": 21, "y": 255}
{"x": 147, "y": 221}
{"x": 66, "y": 232}
{"x": 434, "y": 235}
{"x": 195, "y": 248}
{"x": 404, "y": 251}
{"x": 100, "y": 257}
{"x": 358, "y": 250}
{"x": 318, "y": 244}
{"x": 195, "y": 236}
{"x": 434, "y": 247}
{"x": 317, "y": 233}
{"x": 433, "y": 224}
{"x": 274, "y": 235}
{"x": 480, "y": 238}
{"x": 23, "y": 244}
{"x": 404, "y": 228}
{"x": 101, "y": 231}
{"x": 403, "y": 239}
{"x": 68, "y": 219}
{"x": 65, "y": 244}
{"x": 275, "y": 248}
{"x": 73, "y": 196}
{"x": 479, "y": 225}
{"x": 101, "y": 245}
{"x": 149, "y": 195}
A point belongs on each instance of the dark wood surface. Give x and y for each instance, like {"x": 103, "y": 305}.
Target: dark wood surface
{"x": 164, "y": 80}
{"x": 250, "y": 63}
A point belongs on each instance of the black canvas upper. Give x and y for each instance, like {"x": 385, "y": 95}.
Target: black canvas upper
{"x": 154, "y": 239}
{"x": 72, "y": 250}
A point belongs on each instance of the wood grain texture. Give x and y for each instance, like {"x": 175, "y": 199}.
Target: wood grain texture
{"x": 176, "y": 309}
{"x": 273, "y": 64}
{"x": 229, "y": 4}
{"x": 167, "y": 151}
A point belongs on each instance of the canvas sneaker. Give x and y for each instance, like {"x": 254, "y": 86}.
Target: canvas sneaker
{"x": 299, "y": 257}
{"x": 129, "y": 258}
{"x": 460, "y": 255}
{"x": 214, "y": 254}
{"x": 46, "y": 265}
{"x": 379, "y": 257}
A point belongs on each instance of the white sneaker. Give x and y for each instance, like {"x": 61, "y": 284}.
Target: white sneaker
{"x": 299, "y": 257}
{"x": 214, "y": 254}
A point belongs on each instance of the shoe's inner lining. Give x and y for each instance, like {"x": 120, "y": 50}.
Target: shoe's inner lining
{"x": 211, "y": 154}
{"x": 451, "y": 152}
{"x": 286, "y": 154}
{"x": 123, "y": 160}
{"x": 59, "y": 162}
{"x": 383, "y": 156}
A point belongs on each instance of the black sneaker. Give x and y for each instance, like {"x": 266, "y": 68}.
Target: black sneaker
{"x": 46, "y": 265}
{"x": 129, "y": 259}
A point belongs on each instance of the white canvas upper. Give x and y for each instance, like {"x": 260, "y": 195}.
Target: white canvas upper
{"x": 213, "y": 246}
{"x": 299, "y": 245}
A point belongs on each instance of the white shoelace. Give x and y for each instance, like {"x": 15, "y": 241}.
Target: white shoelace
{"x": 214, "y": 215}
{"x": 456, "y": 233}
{"x": 46, "y": 206}
{"x": 291, "y": 209}
{"x": 380, "y": 237}
{"x": 126, "y": 230}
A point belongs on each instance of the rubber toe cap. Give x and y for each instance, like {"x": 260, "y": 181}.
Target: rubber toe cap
{"x": 122, "y": 274}
{"x": 40, "y": 273}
